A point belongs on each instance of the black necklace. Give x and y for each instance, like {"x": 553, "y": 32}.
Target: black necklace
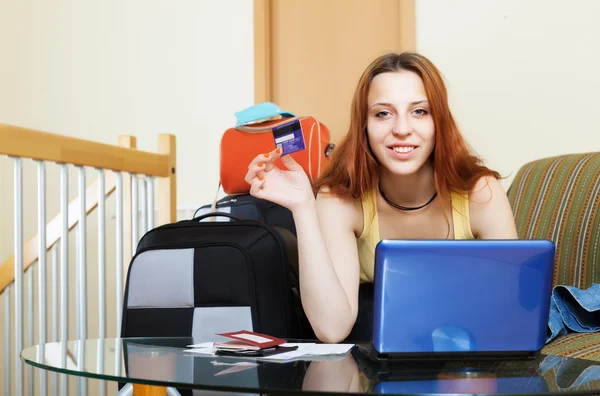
{"x": 395, "y": 205}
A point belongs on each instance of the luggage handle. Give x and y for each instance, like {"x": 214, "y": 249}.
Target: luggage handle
{"x": 257, "y": 129}
{"x": 217, "y": 214}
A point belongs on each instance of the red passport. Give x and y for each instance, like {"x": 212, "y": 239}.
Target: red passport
{"x": 244, "y": 339}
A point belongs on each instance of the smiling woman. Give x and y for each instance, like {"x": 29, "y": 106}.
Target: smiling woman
{"x": 403, "y": 171}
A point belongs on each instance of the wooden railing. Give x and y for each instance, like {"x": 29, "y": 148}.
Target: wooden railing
{"x": 121, "y": 169}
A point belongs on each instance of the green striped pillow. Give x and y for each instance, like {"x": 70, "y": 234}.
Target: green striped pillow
{"x": 558, "y": 199}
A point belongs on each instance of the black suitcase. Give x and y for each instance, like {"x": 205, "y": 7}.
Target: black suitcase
{"x": 249, "y": 207}
{"x": 183, "y": 266}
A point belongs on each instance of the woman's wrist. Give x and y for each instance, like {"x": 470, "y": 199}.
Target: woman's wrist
{"x": 304, "y": 208}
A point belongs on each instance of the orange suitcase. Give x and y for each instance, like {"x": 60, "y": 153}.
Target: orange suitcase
{"x": 240, "y": 145}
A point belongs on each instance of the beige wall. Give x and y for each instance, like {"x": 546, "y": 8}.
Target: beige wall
{"x": 103, "y": 69}
{"x": 138, "y": 67}
{"x": 523, "y": 75}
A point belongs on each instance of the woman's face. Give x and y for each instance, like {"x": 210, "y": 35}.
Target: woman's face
{"x": 399, "y": 124}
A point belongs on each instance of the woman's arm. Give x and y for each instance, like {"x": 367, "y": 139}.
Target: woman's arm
{"x": 490, "y": 212}
{"x": 329, "y": 267}
{"x": 328, "y": 255}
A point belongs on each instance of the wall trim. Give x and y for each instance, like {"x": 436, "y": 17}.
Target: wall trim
{"x": 262, "y": 51}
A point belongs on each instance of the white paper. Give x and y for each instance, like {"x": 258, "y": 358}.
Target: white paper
{"x": 202, "y": 345}
{"x": 304, "y": 351}
{"x": 312, "y": 350}
{"x": 202, "y": 351}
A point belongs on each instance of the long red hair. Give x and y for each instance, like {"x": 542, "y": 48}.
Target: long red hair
{"x": 354, "y": 169}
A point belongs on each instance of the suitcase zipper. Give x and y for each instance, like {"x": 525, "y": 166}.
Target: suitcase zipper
{"x": 234, "y": 200}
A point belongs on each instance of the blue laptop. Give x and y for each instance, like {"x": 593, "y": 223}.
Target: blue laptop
{"x": 436, "y": 299}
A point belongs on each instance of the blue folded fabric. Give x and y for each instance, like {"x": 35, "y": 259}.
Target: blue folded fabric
{"x": 573, "y": 309}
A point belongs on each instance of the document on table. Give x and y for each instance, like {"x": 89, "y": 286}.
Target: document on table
{"x": 305, "y": 351}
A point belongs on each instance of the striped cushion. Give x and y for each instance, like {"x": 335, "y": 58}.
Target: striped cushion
{"x": 558, "y": 199}
{"x": 575, "y": 345}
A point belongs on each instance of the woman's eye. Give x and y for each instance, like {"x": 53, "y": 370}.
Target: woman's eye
{"x": 420, "y": 112}
{"x": 383, "y": 113}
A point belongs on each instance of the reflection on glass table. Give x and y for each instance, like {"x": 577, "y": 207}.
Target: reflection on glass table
{"x": 165, "y": 362}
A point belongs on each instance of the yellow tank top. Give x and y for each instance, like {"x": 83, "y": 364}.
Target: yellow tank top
{"x": 370, "y": 235}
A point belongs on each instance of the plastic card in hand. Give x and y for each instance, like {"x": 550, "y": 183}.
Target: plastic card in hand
{"x": 244, "y": 339}
{"x": 288, "y": 137}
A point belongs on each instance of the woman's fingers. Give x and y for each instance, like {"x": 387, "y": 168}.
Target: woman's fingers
{"x": 256, "y": 186}
{"x": 272, "y": 156}
{"x": 290, "y": 163}
{"x": 255, "y": 170}
{"x": 267, "y": 158}
{"x": 262, "y": 163}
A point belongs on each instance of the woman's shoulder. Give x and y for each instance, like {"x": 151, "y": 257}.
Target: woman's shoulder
{"x": 490, "y": 211}
{"x": 340, "y": 208}
{"x": 484, "y": 189}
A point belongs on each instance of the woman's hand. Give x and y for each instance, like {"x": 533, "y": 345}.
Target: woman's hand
{"x": 289, "y": 187}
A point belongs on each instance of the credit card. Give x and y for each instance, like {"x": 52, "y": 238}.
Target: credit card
{"x": 289, "y": 137}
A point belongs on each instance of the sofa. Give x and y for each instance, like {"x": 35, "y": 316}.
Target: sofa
{"x": 558, "y": 199}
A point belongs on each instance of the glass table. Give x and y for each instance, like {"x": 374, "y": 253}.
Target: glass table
{"x": 165, "y": 363}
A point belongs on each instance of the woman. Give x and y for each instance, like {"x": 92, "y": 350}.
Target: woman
{"x": 403, "y": 171}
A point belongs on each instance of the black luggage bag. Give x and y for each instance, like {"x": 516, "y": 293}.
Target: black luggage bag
{"x": 182, "y": 267}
